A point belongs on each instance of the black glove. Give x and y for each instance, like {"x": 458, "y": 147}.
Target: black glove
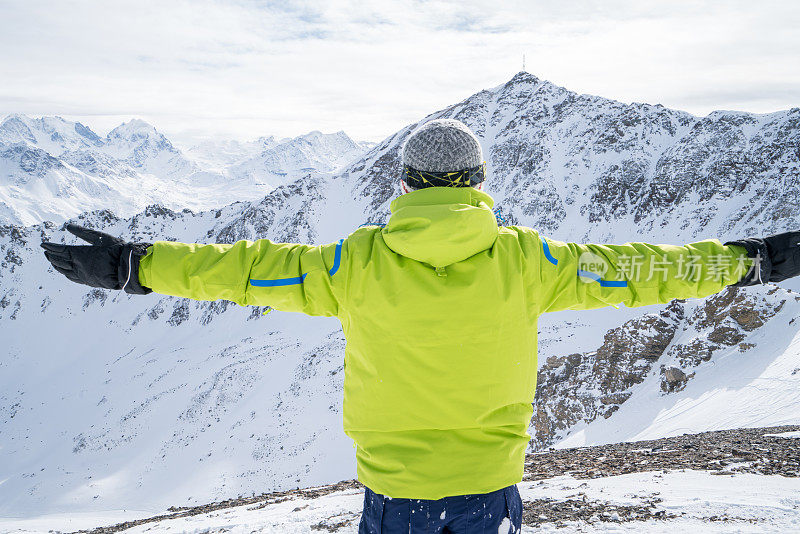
{"x": 108, "y": 262}
{"x": 777, "y": 258}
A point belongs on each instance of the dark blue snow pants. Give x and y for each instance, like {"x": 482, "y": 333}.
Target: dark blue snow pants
{"x": 496, "y": 512}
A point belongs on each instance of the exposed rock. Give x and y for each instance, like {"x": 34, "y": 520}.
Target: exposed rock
{"x": 561, "y": 512}
{"x": 730, "y": 315}
{"x": 720, "y": 450}
{"x": 180, "y": 312}
{"x": 673, "y": 379}
{"x": 95, "y": 295}
{"x": 582, "y": 387}
{"x": 674, "y": 376}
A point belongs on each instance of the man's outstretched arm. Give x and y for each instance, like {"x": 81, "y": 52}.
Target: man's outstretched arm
{"x": 285, "y": 276}
{"x": 585, "y": 276}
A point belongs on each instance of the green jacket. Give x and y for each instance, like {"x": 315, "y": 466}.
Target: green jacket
{"x": 439, "y": 310}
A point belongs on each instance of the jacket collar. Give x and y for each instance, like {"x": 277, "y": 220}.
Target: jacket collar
{"x": 442, "y": 195}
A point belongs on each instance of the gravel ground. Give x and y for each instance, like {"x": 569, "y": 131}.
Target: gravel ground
{"x": 721, "y": 452}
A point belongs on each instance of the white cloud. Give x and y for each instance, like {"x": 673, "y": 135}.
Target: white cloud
{"x": 247, "y": 68}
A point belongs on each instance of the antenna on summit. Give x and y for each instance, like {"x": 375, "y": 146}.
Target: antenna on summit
{"x": 523, "y": 63}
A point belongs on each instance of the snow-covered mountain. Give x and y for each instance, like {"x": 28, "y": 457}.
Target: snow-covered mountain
{"x": 585, "y": 167}
{"x": 144, "y": 148}
{"x": 52, "y": 134}
{"x": 53, "y": 169}
{"x": 154, "y": 401}
{"x": 313, "y": 152}
{"x": 219, "y": 154}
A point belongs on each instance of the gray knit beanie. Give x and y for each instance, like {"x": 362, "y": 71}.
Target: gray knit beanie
{"x": 442, "y": 145}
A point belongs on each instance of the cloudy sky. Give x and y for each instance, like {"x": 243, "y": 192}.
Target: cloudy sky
{"x": 247, "y": 68}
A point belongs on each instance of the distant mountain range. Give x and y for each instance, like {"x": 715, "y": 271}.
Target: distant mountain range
{"x": 53, "y": 169}
{"x": 113, "y": 401}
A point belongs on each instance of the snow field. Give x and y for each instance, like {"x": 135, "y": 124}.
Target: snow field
{"x": 692, "y": 500}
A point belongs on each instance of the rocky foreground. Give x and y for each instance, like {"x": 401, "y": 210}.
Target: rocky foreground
{"x": 724, "y": 453}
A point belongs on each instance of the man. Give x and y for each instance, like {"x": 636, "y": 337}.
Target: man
{"x": 439, "y": 308}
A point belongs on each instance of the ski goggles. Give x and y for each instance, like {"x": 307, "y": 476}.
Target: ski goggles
{"x": 463, "y": 178}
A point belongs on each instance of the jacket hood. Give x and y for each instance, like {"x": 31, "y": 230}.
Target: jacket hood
{"x": 441, "y": 225}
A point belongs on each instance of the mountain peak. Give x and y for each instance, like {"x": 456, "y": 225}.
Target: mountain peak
{"x": 143, "y": 147}
{"x": 51, "y": 133}
{"x": 134, "y": 128}
{"x": 15, "y": 116}
{"x": 139, "y": 123}
{"x": 316, "y": 134}
{"x": 523, "y": 77}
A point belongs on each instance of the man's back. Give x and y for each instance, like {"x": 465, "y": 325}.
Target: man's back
{"x": 440, "y": 365}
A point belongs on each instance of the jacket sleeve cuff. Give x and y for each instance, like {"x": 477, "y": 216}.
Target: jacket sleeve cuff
{"x": 144, "y": 267}
{"x": 133, "y": 253}
{"x": 761, "y": 269}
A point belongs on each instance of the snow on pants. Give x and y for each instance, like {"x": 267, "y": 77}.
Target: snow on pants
{"x": 498, "y": 512}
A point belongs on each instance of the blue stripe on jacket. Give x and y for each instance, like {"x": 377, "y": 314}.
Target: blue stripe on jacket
{"x": 299, "y": 279}
{"x": 585, "y": 274}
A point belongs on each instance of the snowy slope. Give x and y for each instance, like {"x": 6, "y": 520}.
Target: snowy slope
{"x": 160, "y": 383}
{"x": 739, "y": 350}
{"x": 748, "y": 503}
{"x": 734, "y": 480}
{"x": 154, "y": 401}
{"x": 741, "y": 377}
